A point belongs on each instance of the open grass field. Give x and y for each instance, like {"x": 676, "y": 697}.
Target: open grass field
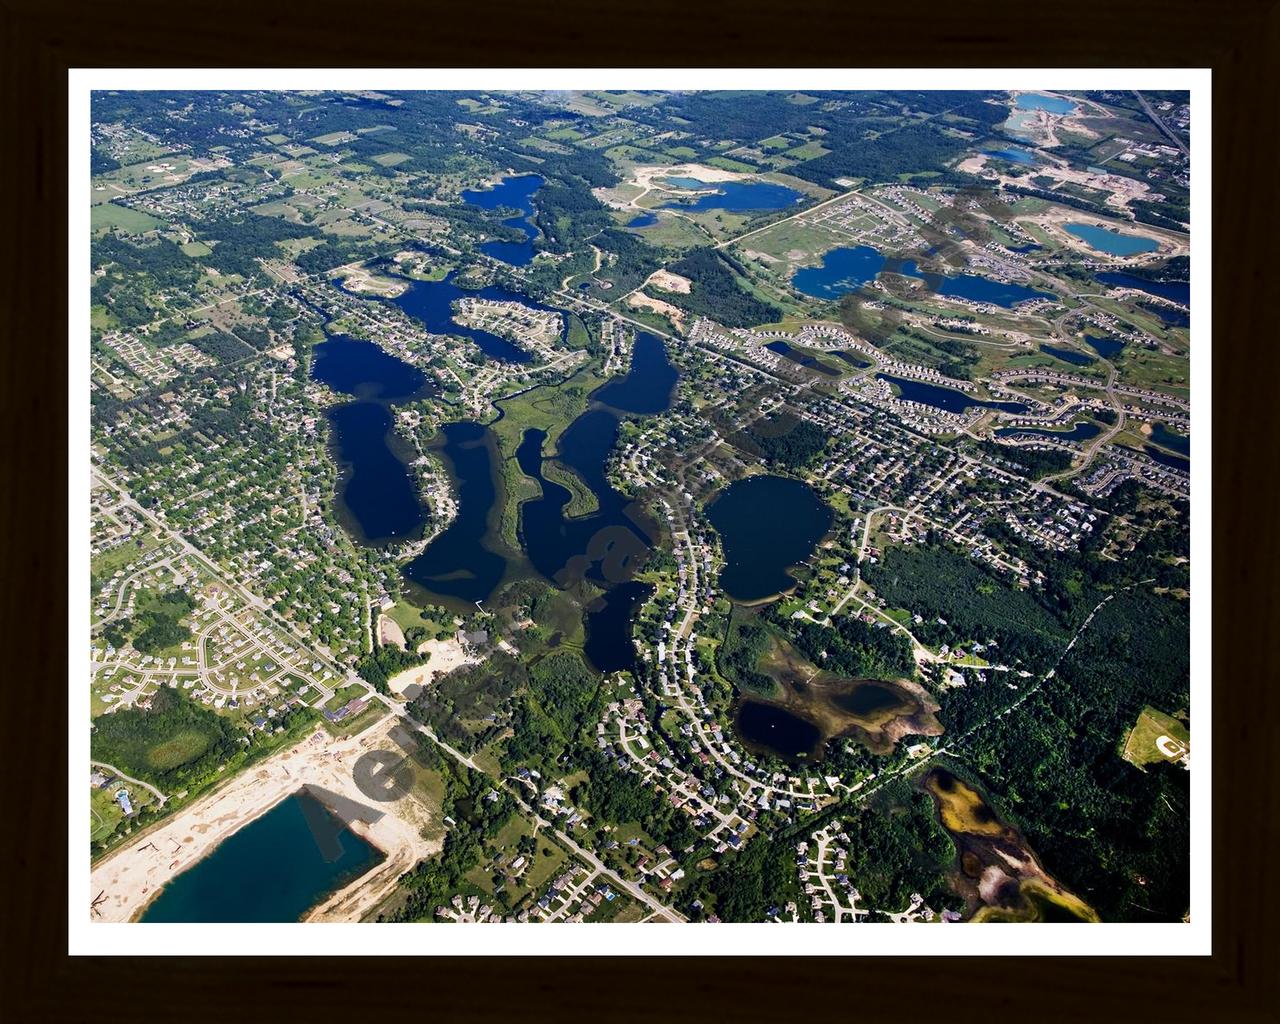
{"x": 545, "y": 865}
{"x": 165, "y": 742}
{"x": 105, "y": 564}
{"x": 334, "y": 138}
{"x": 107, "y": 216}
{"x": 178, "y": 749}
{"x": 1153, "y": 731}
{"x": 809, "y": 151}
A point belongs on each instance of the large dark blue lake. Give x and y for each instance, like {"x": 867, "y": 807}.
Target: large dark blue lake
{"x": 512, "y": 193}
{"x": 274, "y": 869}
{"x": 948, "y": 399}
{"x": 647, "y": 386}
{"x": 377, "y": 496}
{"x": 608, "y": 645}
{"x": 767, "y": 524}
{"x": 769, "y": 729}
{"x": 463, "y": 561}
{"x": 604, "y": 547}
{"x": 734, "y": 196}
{"x": 431, "y": 303}
{"x": 364, "y": 370}
{"x": 377, "y": 493}
{"x": 847, "y": 269}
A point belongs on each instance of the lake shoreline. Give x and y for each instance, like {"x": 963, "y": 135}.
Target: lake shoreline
{"x": 130, "y": 878}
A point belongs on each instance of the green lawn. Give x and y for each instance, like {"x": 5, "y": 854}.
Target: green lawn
{"x": 106, "y": 216}
{"x": 1140, "y": 746}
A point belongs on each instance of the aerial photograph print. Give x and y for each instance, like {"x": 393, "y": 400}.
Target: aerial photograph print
{"x": 604, "y": 506}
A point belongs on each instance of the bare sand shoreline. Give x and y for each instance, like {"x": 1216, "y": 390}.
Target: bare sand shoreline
{"x": 131, "y": 877}
{"x": 443, "y": 656}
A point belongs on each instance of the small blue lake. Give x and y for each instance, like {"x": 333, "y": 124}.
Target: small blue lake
{"x": 948, "y": 399}
{"x": 1067, "y": 355}
{"x": 1013, "y": 155}
{"x": 1083, "y": 430}
{"x": 1168, "y": 458}
{"x": 807, "y": 361}
{"x": 1110, "y": 241}
{"x": 1174, "y": 291}
{"x": 1162, "y": 435}
{"x": 734, "y": 196}
{"x": 643, "y": 220}
{"x": 1105, "y": 346}
{"x": 1038, "y": 101}
{"x": 514, "y": 192}
{"x": 1169, "y": 315}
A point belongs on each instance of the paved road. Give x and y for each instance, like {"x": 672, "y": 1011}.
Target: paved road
{"x": 629, "y": 887}
{"x": 1173, "y": 136}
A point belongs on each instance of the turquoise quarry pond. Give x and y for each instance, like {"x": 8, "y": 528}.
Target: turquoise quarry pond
{"x": 272, "y": 870}
{"x": 734, "y": 196}
{"x": 1023, "y": 112}
{"x": 1110, "y": 241}
{"x": 1013, "y": 155}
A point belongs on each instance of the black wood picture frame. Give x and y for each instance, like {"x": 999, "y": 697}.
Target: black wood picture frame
{"x": 41, "y": 40}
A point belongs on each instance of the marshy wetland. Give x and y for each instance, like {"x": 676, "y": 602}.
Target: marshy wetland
{"x": 809, "y": 707}
{"x": 997, "y": 872}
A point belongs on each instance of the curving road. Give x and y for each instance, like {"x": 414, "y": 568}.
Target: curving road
{"x": 137, "y": 782}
